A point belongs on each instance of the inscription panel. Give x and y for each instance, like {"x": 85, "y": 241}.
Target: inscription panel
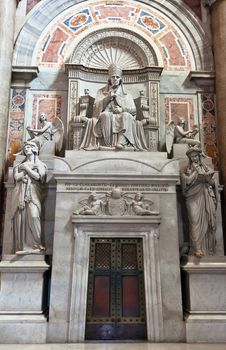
{"x": 86, "y": 187}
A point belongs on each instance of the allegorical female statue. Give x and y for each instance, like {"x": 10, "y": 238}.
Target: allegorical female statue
{"x": 26, "y": 203}
{"x": 201, "y": 193}
{"x": 114, "y": 117}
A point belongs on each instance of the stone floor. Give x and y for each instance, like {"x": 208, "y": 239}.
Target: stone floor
{"x": 115, "y": 346}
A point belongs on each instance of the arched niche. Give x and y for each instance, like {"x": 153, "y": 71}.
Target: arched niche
{"x": 88, "y": 71}
{"x": 125, "y": 48}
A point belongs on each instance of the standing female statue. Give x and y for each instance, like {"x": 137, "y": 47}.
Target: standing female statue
{"x": 200, "y": 191}
{"x": 26, "y": 211}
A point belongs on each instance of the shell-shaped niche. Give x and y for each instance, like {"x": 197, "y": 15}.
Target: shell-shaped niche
{"x": 124, "y": 49}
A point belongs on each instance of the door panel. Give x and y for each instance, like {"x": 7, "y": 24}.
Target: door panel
{"x": 115, "y": 304}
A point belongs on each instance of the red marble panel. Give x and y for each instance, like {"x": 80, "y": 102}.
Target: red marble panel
{"x": 31, "y": 4}
{"x": 114, "y": 12}
{"x": 51, "y": 53}
{"x": 48, "y": 103}
{"x": 179, "y": 107}
{"x": 171, "y": 45}
{"x": 195, "y": 5}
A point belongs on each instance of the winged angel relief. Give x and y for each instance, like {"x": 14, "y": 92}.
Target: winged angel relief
{"x": 116, "y": 203}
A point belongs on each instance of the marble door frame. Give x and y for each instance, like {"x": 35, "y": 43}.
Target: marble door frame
{"x": 115, "y": 227}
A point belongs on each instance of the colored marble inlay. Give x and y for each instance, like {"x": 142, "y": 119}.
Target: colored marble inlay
{"x": 53, "y": 46}
{"x": 179, "y": 107}
{"x": 209, "y": 127}
{"x": 173, "y": 49}
{"x": 170, "y": 43}
{"x": 114, "y": 11}
{"x": 150, "y": 22}
{"x": 48, "y": 103}
{"x": 195, "y": 5}
{"x": 80, "y": 19}
{"x": 31, "y": 4}
{"x": 16, "y": 122}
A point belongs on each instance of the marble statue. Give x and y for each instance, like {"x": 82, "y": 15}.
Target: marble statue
{"x": 114, "y": 123}
{"x": 50, "y": 137}
{"x": 201, "y": 193}
{"x": 91, "y": 206}
{"x": 26, "y": 201}
{"x": 116, "y": 203}
{"x": 142, "y": 206}
{"x": 177, "y": 134}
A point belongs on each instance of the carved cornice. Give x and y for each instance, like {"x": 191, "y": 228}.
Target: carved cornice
{"x": 202, "y": 78}
{"x": 100, "y": 75}
{"x": 26, "y": 74}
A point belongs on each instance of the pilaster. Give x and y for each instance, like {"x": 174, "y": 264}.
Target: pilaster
{"x": 218, "y": 11}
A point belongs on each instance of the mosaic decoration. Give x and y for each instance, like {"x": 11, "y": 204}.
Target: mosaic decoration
{"x": 179, "y": 107}
{"x": 54, "y": 46}
{"x": 48, "y": 103}
{"x": 16, "y": 122}
{"x": 174, "y": 51}
{"x": 209, "y": 127}
{"x": 80, "y": 19}
{"x": 31, "y": 4}
{"x": 114, "y": 12}
{"x": 150, "y": 22}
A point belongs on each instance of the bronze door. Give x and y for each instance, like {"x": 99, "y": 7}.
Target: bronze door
{"x": 116, "y": 303}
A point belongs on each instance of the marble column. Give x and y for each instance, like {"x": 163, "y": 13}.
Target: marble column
{"x": 7, "y": 20}
{"x": 218, "y": 17}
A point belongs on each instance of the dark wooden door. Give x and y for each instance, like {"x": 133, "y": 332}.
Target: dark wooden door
{"x": 116, "y": 304}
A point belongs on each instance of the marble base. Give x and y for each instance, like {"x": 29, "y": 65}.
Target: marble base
{"x": 22, "y": 329}
{"x": 77, "y": 176}
{"x": 21, "y": 299}
{"x": 204, "y": 298}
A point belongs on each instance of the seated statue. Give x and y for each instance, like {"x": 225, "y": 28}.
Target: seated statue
{"x": 177, "y": 134}
{"x": 49, "y": 138}
{"x": 114, "y": 121}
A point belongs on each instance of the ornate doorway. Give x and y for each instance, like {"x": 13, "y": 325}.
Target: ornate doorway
{"x": 116, "y": 302}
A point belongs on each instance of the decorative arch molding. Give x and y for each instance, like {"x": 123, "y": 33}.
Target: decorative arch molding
{"x": 176, "y": 12}
{"x": 128, "y": 50}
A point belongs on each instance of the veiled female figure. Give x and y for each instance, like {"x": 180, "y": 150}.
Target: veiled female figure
{"x": 26, "y": 211}
{"x": 200, "y": 191}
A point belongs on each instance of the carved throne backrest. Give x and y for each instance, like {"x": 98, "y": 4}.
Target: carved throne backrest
{"x": 85, "y": 108}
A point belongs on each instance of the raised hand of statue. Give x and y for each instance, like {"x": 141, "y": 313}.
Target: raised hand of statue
{"x": 117, "y": 110}
{"x": 26, "y": 206}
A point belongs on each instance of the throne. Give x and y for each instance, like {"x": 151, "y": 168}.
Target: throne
{"x": 143, "y": 84}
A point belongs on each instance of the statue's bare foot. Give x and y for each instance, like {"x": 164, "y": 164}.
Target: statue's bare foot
{"x": 119, "y": 146}
{"x": 199, "y": 253}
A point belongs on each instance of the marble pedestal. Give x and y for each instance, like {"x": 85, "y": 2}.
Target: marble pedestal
{"x": 204, "y": 296}
{"x": 21, "y": 299}
{"x": 78, "y": 175}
